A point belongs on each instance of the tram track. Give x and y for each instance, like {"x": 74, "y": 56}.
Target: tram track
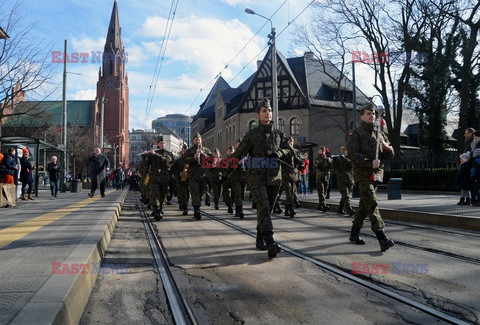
{"x": 346, "y": 275}
{"x": 181, "y": 312}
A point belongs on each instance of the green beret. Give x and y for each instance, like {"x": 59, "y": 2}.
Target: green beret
{"x": 159, "y": 138}
{"x": 197, "y": 135}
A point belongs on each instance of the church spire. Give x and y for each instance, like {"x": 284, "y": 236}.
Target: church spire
{"x": 114, "y": 51}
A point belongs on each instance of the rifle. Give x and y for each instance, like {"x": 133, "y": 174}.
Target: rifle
{"x": 376, "y": 175}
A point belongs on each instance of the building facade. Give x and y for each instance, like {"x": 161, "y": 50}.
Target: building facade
{"x": 178, "y": 123}
{"x": 308, "y": 104}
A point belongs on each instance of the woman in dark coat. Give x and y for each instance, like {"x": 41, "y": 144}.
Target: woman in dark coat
{"x": 26, "y": 175}
{"x": 100, "y": 167}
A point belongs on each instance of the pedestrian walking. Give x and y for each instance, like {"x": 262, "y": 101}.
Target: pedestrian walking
{"x": 54, "y": 169}
{"x": 99, "y": 168}
{"x": 265, "y": 145}
{"x": 367, "y": 147}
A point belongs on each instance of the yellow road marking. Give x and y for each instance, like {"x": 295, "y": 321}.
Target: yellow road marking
{"x": 13, "y": 233}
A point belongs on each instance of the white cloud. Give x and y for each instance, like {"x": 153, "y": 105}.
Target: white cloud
{"x": 86, "y": 94}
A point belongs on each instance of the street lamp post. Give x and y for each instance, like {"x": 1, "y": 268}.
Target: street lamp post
{"x": 271, "y": 36}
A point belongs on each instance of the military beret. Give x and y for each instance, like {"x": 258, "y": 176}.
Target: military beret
{"x": 197, "y": 135}
{"x": 369, "y": 107}
{"x": 264, "y": 102}
{"x": 159, "y": 138}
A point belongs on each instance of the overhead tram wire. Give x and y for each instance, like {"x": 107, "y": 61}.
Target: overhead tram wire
{"x": 160, "y": 58}
{"x": 219, "y": 74}
{"x": 235, "y": 56}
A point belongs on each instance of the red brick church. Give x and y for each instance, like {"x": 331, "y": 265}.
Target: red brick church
{"x": 113, "y": 86}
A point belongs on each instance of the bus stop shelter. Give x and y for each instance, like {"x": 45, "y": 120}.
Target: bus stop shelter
{"x": 37, "y": 144}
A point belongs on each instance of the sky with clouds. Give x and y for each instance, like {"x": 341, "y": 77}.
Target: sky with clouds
{"x": 207, "y": 37}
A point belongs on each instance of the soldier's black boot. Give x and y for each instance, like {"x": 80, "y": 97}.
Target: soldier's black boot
{"x": 160, "y": 212}
{"x": 207, "y": 201}
{"x": 296, "y": 204}
{"x": 277, "y": 208}
{"x": 467, "y": 201}
{"x": 259, "y": 243}
{"x": 355, "y": 236}
{"x": 340, "y": 209}
{"x": 230, "y": 209}
{"x": 216, "y": 206}
{"x": 287, "y": 211}
{"x": 324, "y": 207}
{"x": 385, "y": 243}
{"x": 239, "y": 212}
{"x": 185, "y": 210}
{"x": 196, "y": 213}
{"x": 292, "y": 212}
{"x": 272, "y": 246}
{"x": 156, "y": 213}
{"x": 462, "y": 201}
{"x": 254, "y": 206}
{"x": 350, "y": 210}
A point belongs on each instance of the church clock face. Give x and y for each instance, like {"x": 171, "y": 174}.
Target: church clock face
{"x": 109, "y": 84}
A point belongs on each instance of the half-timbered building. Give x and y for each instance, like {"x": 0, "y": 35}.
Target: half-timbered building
{"x": 308, "y": 104}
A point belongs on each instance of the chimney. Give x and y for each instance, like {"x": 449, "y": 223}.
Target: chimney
{"x": 308, "y": 55}
{"x": 259, "y": 62}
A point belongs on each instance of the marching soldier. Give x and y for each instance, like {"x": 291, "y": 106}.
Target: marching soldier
{"x": 215, "y": 178}
{"x": 289, "y": 166}
{"x": 362, "y": 149}
{"x": 227, "y": 184}
{"x": 238, "y": 181}
{"x": 179, "y": 171}
{"x": 322, "y": 166}
{"x": 264, "y": 144}
{"x": 159, "y": 163}
{"x": 144, "y": 178}
{"x": 197, "y": 174}
{"x": 343, "y": 167}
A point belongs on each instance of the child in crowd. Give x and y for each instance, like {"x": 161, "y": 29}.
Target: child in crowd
{"x": 463, "y": 179}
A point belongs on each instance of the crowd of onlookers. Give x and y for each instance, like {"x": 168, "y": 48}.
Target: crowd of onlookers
{"x": 468, "y": 176}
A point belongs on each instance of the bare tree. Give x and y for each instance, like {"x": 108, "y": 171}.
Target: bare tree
{"x": 24, "y": 65}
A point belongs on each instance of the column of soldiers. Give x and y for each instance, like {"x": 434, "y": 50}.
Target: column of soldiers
{"x": 267, "y": 143}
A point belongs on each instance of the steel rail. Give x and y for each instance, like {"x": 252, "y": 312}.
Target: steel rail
{"x": 407, "y": 301}
{"x": 181, "y": 312}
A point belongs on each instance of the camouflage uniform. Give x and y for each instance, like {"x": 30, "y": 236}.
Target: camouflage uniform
{"x": 144, "y": 178}
{"x": 361, "y": 149}
{"x": 290, "y": 162}
{"x": 215, "y": 180}
{"x": 264, "y": 141}
{"x": 322, "y": 166}
{"x": 227, "y": 186}
{"x": 159, "y": 164}
{"x": 238, "y": 183}
{"x": 343, "y": 168}
{"x": 197, "y": 176}
{"x": 182, "y": 186}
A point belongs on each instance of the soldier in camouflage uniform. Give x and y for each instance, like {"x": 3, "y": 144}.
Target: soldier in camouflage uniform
{"x": 181, "y": 180}
{"x": 343, "y": 168}
{"x": 215, "y": 178}
{"x": 322, "y": 165}
{"x": 144, "y": 178}
{"x": 290, "y": 163}
{"x": 362, "y": 147}
{"x": 265, "y": 145}
{"x": 226, "y": 182}
{"x": 159, "y": 163}
{"x": 197, "y": 175}
{"x": 238, "y": 181}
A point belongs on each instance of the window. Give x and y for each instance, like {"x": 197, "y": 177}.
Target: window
{"x": 281, "y": 124}
{"x": 252, "y": 125}
{"x": 294, "y": 126}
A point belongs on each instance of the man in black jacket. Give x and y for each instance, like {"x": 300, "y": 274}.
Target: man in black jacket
{"x": 100, "y": 167}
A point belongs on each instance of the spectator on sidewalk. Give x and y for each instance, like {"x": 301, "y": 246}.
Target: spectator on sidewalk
{"x": 100, "y": 167}
{"x": 463, "y": 179}
{"x": 475, "y": 178}
{"x": 304, "y": 173}
{"x": 10, "y": 167}
{"x": 54, "y": 169}
{"x": 468, "y": 140}
{"x": 26, "y": 174}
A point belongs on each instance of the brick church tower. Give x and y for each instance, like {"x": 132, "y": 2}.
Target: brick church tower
{"x": 113, "y": 86}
